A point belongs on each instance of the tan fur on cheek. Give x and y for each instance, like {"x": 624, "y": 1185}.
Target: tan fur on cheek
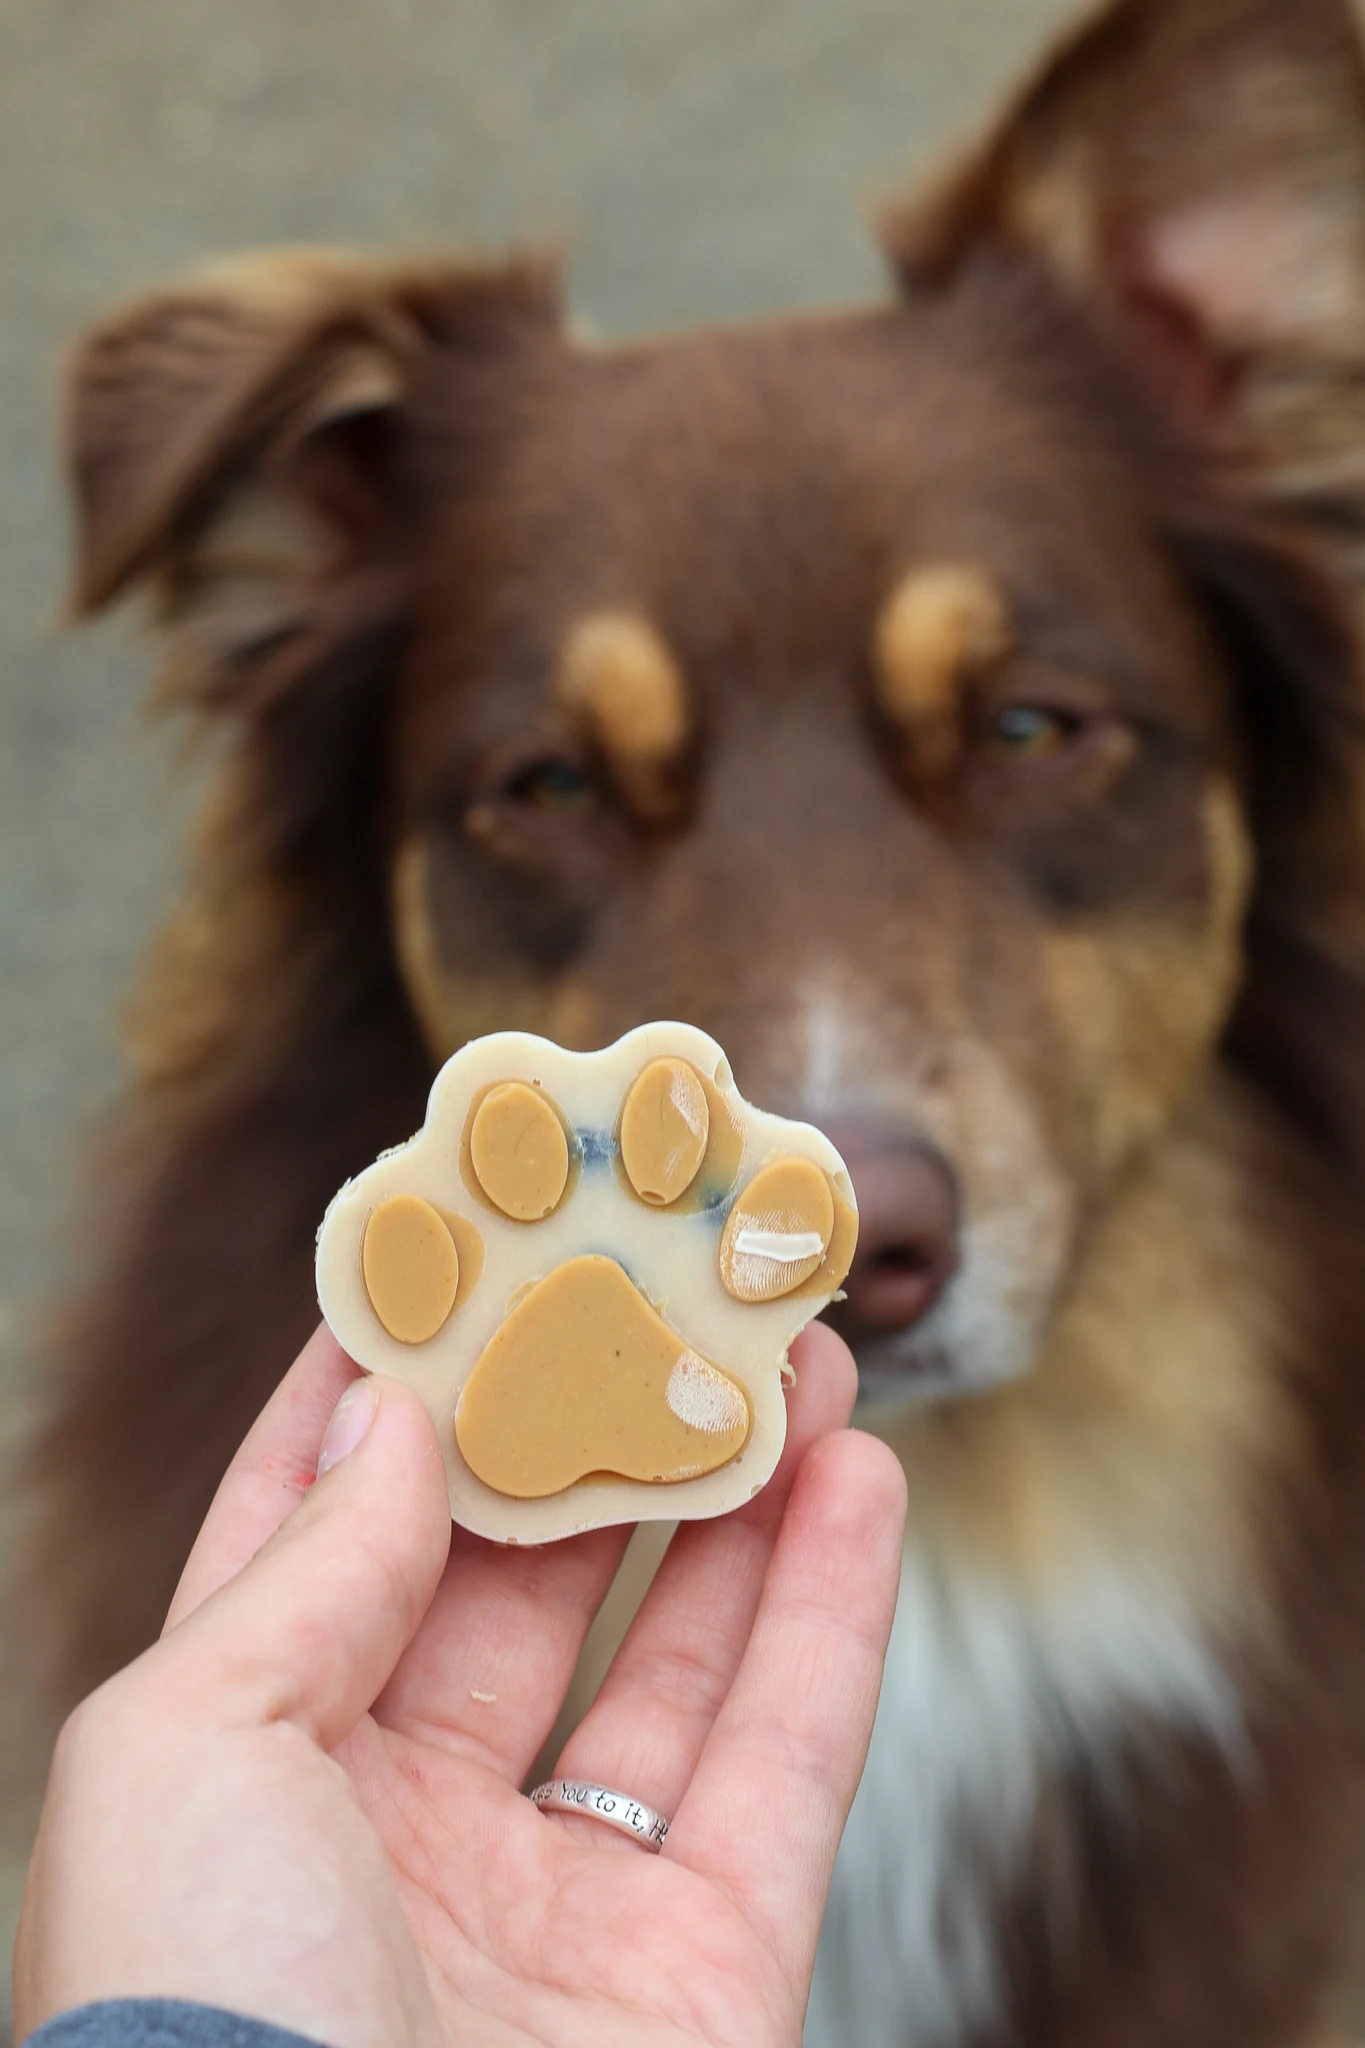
{"x": 617, "y": 676}
{"x": 431, "y": 990}
{"x": 1232, "y": 868}
{"x": 1155, "y": 1425}
{"x": 450, "y": 1007}
{"x": 1139, "y": 1003}
{"x": 939, "y": 625}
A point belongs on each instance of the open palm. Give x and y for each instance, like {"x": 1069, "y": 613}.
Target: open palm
{"x": 305, "y": 1802}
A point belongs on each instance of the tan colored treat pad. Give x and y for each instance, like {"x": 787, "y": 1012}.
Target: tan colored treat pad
{"x": 411, "y": 1267}
{"x": 591, "y": 1266}
{"x": 518, "y": 1151}
{"x": 584, "y": 1376}
{"x": 778, "y": 1231}
{"x": 664, "y": 1128}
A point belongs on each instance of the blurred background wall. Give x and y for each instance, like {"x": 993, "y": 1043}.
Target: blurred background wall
{"x": 697, "y": 160}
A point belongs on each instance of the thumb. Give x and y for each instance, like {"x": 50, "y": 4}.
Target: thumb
{"x": 310, "y": 1630}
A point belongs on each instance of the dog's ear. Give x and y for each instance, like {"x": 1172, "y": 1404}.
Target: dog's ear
{"x": 1196, "y": 169}
{"x": 235, "y": 443}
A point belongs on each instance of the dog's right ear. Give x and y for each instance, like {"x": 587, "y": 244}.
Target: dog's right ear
{"x": 234, "y": 442}
{"x": 1193, "y": 171}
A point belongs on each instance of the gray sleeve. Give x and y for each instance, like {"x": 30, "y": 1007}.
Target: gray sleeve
{"x": 160, "y": 2023}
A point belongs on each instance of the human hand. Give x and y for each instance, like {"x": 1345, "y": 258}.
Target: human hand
{"x": 302, "y": 1803}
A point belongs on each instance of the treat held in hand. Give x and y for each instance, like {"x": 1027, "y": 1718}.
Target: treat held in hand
{"x": 591, "y": 1266}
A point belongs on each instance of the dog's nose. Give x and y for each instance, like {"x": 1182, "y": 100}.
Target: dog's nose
{"x": 907, "y": 1230}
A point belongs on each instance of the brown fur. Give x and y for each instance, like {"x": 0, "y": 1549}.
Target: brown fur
{"x": 1121, "y": 988}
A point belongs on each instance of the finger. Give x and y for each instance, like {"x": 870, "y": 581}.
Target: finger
{"x": 488, "y": 1674}
{"x": 270, "y": 1474}
{"x": 654, "y": 1710}
{"x": 774, "y": 1783}
{"x": 309, "y": 1630}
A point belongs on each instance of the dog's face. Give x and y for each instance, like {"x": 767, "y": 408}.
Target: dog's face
{"x": 848, "y": 687}
{"x": 828, "y": 686}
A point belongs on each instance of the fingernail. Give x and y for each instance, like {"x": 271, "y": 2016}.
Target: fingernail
{"x": 351, "y": 1417}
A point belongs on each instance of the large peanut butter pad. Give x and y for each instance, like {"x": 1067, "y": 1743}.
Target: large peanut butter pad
{"x": 591, "y": 1266}
{"x": 584, "y": 1376}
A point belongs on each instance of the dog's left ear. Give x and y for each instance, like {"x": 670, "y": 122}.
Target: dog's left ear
{"x": 1196, "y": 170}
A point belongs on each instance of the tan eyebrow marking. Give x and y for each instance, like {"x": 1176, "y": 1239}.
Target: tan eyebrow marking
{"x": 939, "y": 623}
{"x": 618, "y": 675}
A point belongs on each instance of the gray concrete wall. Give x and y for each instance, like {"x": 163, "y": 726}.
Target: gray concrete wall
{"x": 697, "y": 158}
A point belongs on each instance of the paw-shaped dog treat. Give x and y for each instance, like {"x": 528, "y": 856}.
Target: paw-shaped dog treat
{"x": 590, "y": 1266}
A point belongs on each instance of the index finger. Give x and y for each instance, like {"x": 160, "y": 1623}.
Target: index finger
{"x": 271, "y": 1473}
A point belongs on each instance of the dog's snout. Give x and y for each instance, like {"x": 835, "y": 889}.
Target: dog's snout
{"x": 907, "y": 1230}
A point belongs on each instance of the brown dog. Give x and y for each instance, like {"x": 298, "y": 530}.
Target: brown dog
{"x": 954, "y": 707}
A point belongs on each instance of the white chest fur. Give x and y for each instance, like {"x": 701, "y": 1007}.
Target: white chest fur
{"x": 985, "y": 1688}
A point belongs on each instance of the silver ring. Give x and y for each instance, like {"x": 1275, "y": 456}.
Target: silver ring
{"x": 598, "y": 1802}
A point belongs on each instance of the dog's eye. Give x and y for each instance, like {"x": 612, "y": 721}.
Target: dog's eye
{"x": 554, "y": 784}
{"x": 1032, "y": 732}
